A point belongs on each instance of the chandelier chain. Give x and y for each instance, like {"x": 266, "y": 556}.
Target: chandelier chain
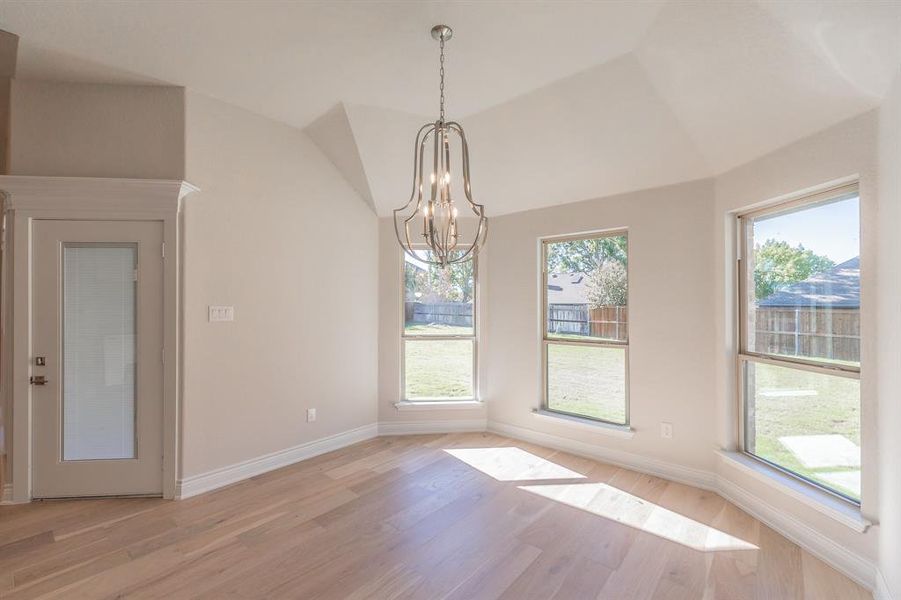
{"x": 441, "y": 72}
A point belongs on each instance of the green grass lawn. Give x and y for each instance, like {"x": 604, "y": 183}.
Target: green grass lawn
{"x": 437, "y": 369}
{"x": 587, "y": 380}
{"x": 824, "y": 405}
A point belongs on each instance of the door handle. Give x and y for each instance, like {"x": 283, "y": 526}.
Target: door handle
{"x": 38, "y": 380}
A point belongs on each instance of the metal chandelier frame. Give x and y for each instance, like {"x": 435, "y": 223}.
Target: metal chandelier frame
{"x": 438, "y": 212}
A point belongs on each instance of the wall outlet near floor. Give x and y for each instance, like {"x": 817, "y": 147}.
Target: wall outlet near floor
{"x": 666, "y": 431}
{"x": 222, "y": 313}
{"x": 311, "y": 415}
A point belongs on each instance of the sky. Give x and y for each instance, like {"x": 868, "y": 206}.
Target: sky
{"x": 831, "y": 230}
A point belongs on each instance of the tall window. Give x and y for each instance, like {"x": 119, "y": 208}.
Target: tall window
{"x": 586, "y": 326}
{"x": 439, "y": 334}
{"x": 800, "y": 338}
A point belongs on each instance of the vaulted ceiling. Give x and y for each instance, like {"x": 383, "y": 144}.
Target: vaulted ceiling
{"x": 561, "y": 101}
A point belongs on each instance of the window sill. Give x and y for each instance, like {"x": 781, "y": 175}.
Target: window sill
{"x": 842, "y": 511}
{"x": 439, "y": 405}
{"x": 620, "y": 431}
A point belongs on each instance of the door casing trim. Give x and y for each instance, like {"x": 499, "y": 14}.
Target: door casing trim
{"x": 26, "y": 199}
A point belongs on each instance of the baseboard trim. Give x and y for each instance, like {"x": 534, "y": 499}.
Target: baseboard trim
{"x": 882, "y": 592}
{"x": 850, "y": 563}
{"x": 217, "y": 478}
{"x": 651, "y": 466}
{"x": 421, "y": 427}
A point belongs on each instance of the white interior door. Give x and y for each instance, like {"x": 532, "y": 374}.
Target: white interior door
{"x": 96, "y": 369}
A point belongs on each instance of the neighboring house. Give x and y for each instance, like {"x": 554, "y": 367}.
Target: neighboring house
{"x": 567, "y": 288}
{"x": 569, "y": 313}
{"x": 817, "y": 317}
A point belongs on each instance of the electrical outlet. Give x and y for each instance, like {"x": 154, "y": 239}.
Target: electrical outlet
{"x": 666, "y": 431}
{"x": 311, "y": 415}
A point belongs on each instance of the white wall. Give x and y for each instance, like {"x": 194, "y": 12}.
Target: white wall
{"x": 671, "y": 337}
{"x": 84, "y": 130}
{"x": 889, "y": 342}
{"x": 846, "y": 149}
{"x": 280, "y": 235}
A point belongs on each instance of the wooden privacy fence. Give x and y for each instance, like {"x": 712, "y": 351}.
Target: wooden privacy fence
{"x": 609, "y": 322}
{"x": 445, "y": 313}
{"x": 808, "y": 332}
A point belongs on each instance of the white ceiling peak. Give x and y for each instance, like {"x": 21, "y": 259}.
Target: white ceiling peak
{"x": 562, "y": 101}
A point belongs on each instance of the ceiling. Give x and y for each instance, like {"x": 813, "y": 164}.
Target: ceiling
{"x": 562, "y": 101}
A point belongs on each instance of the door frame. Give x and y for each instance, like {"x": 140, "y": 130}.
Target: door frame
{"x": 26, "y": 199}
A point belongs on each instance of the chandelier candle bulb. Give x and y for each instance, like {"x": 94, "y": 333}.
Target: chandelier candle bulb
{"x": 439, "y": 229}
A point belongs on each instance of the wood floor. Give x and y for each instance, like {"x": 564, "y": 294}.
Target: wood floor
{"x": 444, "y": 516}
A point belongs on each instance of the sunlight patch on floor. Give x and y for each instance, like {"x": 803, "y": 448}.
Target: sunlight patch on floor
{"x": 614, "y": 504}
{"x": 512, "y": 464}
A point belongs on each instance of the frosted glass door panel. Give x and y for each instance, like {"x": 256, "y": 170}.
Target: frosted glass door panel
{"x": 99, "y": 351}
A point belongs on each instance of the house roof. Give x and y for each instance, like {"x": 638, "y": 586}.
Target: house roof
{"x": 567, "y": 288}
{"x": 839, "y": 287}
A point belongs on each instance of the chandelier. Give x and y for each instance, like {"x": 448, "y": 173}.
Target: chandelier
{"x": 429, "y": 218}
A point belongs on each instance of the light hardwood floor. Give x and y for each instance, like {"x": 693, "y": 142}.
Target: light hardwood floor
{"x": 443, "y": 516}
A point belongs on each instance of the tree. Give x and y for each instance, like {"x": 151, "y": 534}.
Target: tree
{"x": 777, "y": 264}
{"x": 607, "y": 285}
{"x": 434, "y": 283}
{"x": 584, "y": 256}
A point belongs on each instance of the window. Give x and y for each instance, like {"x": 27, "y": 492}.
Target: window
{"x": 799, "y": 355}
{"x": 585, "y": 330}
{"x": 439, "y": 330}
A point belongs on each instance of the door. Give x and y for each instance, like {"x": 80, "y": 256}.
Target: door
{"x": 96, "y": 371}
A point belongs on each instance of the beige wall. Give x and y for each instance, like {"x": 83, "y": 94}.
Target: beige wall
{"x": 261, "y": 236}
{"x": 889, "y": 342}
{"x": 847, "y": 149}
{"x": 280, "y": 235}
{"x": 671, "y": 339}
{"x": 82, "y": 130}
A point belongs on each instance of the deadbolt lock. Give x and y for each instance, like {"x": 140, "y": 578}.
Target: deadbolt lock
{"x": 40, "y": 361}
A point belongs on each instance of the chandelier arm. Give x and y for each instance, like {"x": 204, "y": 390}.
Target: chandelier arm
{"x": 476, "y": 208}
{"x": 418, "y": 146}
{"x": 417, "y": 172}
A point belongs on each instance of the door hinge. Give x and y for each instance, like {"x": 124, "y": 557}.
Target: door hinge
{"x": 163, "y": 355}
{"x": 163, "y": 251}
{"x": 136, "y": 274}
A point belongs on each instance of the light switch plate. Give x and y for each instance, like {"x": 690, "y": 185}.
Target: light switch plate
{"x": 222, "y": 313}
{"x": 311, "y": 415}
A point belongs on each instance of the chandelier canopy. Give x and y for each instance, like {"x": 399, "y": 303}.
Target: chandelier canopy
{"x": 428, "y": 220}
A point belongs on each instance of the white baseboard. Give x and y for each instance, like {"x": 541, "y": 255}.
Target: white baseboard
{"x": 6, "y": 494}
{"x": 420, "y": 427}
{"x": 217, "y": 478}
{"x": 882, "y": 592}
{"x": 850, "y": 563}
{"x": 651, "y": 466}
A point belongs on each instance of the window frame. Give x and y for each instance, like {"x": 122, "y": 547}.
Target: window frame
{"x": 744, "y": 357}
{"x": 547, "y": 340}
{"x": 473, "y": 337}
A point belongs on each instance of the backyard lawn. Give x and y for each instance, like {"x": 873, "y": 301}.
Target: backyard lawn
{"x": 810, "y": 424}
{"x": 437, "y": 369}
{"x": 587, "y": 380}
